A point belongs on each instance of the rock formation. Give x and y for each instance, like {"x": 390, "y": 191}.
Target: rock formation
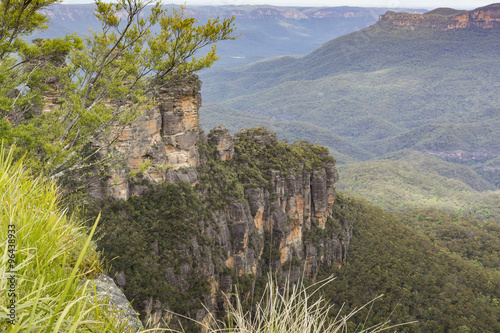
{"x": 281, "y": 222}
{"x": 287, "y": 227}
{"x": 446, "y": 18}
{"x": 159, "y": 143}
{"x": 106, "y": 291}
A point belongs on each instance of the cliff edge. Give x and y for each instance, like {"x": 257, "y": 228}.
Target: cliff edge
{"x": 487, "y": 17}
{"x": 200, "y": 212}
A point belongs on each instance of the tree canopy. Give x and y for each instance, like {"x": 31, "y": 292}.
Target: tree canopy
{"x": 58, "y": 97}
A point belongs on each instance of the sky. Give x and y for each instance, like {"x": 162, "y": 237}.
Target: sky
{"x": 429, "y": 4}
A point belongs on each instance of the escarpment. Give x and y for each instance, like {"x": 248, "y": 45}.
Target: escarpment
{"x": 446, "y": 18}
{"x": 201, "y": 213}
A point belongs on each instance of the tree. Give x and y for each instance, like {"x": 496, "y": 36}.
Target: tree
{"x": 100, "y": 83}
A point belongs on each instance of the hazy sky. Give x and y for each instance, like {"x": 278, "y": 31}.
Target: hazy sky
{"x": 458, "y": 4}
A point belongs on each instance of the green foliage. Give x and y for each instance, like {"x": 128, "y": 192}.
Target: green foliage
{"x": 471, "y": 239}
{"x": 147, "y": 233}
{"x": 101, "y": 81}
{"x": 411, "y": 180}
{"x": 20, "y": 18}
{"x": 218, "y": 179}
{"x": 255, "y": 161}
{"x": 48, "y": 256}
{"x": 420, "y": 279}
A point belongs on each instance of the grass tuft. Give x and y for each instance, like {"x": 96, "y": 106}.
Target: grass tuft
{"x": 50, "y": 254}
{"x": 291, "y": 309}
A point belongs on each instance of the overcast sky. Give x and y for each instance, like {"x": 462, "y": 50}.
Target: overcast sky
{"x": 458, "y": 4}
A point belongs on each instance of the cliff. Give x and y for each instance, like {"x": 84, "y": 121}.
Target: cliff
{"x": 158, "y": 144}
{"x": 446, "y": 18}
{"x": 202, "y": 212}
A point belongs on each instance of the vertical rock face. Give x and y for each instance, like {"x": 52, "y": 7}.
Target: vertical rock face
{"x": 160, "y": 143}
{"x": 298, "y": 201}
{"x": 222, "y": 139}
{"x": 281, "y": 220}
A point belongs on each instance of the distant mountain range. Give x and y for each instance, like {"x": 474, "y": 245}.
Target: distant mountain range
{"x": 426, "y": 83}
{"x": 448, "y": 18}
{"x": 266, "y": 31}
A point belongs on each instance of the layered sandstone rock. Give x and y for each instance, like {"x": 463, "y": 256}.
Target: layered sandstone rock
{"x": 161, "y": 145}
{"x": 222, "y": 139}
{"x": 446, "y": 18}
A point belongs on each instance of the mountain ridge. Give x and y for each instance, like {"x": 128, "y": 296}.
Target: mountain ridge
{"x": 486, "y": 17}
{"x": 378, "y": 91}
{"x": 266, "y": 31}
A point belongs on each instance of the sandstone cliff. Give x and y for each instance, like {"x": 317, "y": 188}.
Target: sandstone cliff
{"x": 157, "y": 144}
{"x": 446, "y": 18}
{"x": 204, "y": 212}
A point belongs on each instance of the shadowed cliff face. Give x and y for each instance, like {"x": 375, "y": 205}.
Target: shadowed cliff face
{"x": 209, "y": 209}
{"x": 446, "y": 18}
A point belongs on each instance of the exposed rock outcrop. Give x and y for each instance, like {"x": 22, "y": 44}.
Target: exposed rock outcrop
{"x": 446, "y": 18}
{"x": 107, "y": 292}
{"x": 160, "y": 143}
{"x": 222, "y": 139}
{"x": 279, "y": 220}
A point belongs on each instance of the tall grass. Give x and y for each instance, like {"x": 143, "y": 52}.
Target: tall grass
{"x": 53, "y": 255}
{"x": 291, "y": 309}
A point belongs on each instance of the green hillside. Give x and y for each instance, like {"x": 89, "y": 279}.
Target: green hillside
{"x": 433, "y": 274}
{"x": 402, "y": 79}
{"x": 379, "y": 91}
{"x": 410, "y": 180}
